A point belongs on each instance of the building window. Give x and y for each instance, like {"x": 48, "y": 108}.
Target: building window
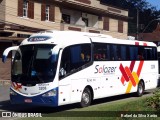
{"x": 85, "y": 21}
{"x": 25, "y": 8}
{"x": 47, "y": 12}
{"x": 106, "y": 23}
{"x": 66, "y": 18}
{"x": 120, "y": 26}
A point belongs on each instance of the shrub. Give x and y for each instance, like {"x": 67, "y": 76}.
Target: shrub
{"x": 154, "y": 101}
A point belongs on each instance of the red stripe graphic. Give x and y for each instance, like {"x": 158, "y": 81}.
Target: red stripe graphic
{"x": 131, "y": 68}
{"x": 140, "y": 68}
{"x": 123, "y": 72}
{"x": 130, "y": 76}
{"x": 144, "y": 44}
{"x": 127, "y": 75}
{"x": 13, "y": 84}
{"x": 17, "y": 86}
{"x": 136, "y": 43}
{"x": 132, "y": 65}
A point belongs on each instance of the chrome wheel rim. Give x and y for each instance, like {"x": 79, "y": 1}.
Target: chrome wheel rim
{"x": 85, "y": 97}
{"x": 140, "y": 88}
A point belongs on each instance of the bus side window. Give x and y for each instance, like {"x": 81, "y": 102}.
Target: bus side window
{"x": 113, "y": 52}
{"x": 73, "y": 58}
{"x": 140, "y": 53}
{"x": 123, "y": 52}
{"x": 133, "y": 52}
{"x": 101, "y": 52}
{"x": 65, "y": 63}
{"x": 80, "y": 55}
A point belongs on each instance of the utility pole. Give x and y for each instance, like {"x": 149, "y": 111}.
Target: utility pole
{"x": 137, "y": 24}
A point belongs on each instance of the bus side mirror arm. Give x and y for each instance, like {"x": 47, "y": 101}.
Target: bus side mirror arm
{"x": 6, "y": 52}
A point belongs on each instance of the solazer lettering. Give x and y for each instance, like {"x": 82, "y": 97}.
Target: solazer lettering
{"x": 104, "y": 69}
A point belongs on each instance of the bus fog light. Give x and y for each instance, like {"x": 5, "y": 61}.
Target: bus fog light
{"x": 50, "y": 93}
{"x": 12, "y": 92}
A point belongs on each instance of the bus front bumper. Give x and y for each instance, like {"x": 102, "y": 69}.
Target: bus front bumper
{"x": 44, "y": 99}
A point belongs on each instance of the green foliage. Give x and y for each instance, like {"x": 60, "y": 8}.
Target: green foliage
{"x": 147, "y": 13}
{"x": 154, "y": 101}
{"x": 132, "y": 105}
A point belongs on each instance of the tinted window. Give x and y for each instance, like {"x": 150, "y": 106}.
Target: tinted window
{"x": 133, "y": 52}
{"x": 116, "y": 52}
{"x": 150, "y": 53}
{"x": 74, "y": 57}
{"x": 123, "y": 52}
{"x": 101, "y": 52}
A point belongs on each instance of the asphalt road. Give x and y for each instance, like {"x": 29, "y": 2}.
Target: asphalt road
{"x": 6, "y": 106}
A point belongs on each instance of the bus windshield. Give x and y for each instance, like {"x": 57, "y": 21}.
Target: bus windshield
{"x": 34, "y": 64}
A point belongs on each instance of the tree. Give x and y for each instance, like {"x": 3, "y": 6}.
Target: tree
{"x": 147, "y": 13}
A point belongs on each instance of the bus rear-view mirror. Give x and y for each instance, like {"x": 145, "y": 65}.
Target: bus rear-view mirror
{"x": 6, "y": 52}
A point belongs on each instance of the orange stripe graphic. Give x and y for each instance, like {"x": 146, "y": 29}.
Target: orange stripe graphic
{"x": 135, "y": 77}
{"x": 122, "y": 80}
{"x": 130, "y": 76}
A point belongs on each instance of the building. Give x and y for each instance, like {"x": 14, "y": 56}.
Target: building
{"x": 152, "y": 37}
{"x": 21, "y": 18}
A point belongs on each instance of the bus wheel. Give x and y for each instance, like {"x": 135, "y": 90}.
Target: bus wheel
{"x": 140, "y": 89}
{"x": 86, "y": 98}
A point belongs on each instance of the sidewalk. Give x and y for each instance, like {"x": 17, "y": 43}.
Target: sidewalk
{"x": 5, "y": 82}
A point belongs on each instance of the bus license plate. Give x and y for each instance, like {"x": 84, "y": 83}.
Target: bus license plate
{"x": 28, "y": 100}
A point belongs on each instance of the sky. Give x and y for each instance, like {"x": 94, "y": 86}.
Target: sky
{"x": 155, "y": 3}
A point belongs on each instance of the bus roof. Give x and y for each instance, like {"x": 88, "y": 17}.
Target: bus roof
{"x": 66, "y": 38}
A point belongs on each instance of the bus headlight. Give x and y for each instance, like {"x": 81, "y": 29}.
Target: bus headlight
{"x": 50, "y": 93}
{"x": 12, "y": 92}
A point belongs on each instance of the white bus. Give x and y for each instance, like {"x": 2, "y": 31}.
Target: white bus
{"x": 158, "y": 50}
{"x": 54, "y": 68}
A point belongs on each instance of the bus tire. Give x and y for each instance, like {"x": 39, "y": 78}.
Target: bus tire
{"x": 86, "y": 98}
{"x": 140, "y": 89}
